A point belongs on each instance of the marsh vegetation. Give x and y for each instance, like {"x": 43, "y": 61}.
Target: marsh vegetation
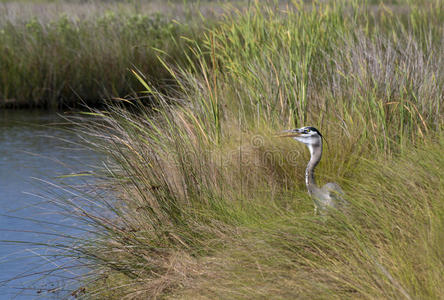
{"x": 64, "y": 55}
{"x": 210, "y": 204}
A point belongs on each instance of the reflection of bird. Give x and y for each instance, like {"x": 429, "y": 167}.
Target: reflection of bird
{"x": 330, "y": 194}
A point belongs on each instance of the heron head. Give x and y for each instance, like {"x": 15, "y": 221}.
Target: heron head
{"x": 308, "y": 135}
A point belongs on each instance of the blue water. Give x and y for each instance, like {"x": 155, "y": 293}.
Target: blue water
{"x": 34, "y": 157}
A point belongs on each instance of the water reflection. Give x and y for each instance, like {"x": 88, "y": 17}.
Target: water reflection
{"x": 30, "y": 149}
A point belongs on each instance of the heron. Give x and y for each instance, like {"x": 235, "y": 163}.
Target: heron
{"x": 330, "y": 195}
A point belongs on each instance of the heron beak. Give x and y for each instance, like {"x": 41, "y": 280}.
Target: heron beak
{"x": 289, "y": 133}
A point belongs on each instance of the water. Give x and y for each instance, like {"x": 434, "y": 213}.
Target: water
{"x": 31, "y": 152}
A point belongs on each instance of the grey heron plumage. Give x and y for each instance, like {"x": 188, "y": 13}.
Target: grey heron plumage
{"x": 330, "y": 194}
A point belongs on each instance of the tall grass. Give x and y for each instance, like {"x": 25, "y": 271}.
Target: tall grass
{"x": 210, "y": 204}
{"x": 387, "y": 74}
{"x": 68, "y": 56}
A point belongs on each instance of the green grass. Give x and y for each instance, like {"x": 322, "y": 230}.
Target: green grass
{"x": 65, "y": 55}
{"x": 211, "y": 204}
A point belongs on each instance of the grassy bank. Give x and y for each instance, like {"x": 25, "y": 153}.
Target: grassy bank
{"x": 210, "y": 204}
{"x": 61, "y": 54}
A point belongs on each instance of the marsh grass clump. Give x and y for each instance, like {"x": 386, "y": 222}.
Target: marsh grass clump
{"x": 201, "y": 221}
{"x": 69, "y": 59}
{"x": 210, "y": 203}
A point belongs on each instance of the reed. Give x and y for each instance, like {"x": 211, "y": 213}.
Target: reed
{"x": 68, "y": 55}
{"x": 211, "y": 204}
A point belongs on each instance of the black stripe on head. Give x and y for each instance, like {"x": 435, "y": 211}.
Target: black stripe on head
{"x": 315, "y": 130}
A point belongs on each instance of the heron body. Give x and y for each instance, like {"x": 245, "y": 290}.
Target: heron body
{"x": 330, "y": 194}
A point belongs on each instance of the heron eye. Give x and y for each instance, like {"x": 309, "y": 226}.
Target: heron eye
{"x": 306, "y": 130}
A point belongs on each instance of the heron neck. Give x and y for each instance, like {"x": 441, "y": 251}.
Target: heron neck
{"x": 315, "y": 157}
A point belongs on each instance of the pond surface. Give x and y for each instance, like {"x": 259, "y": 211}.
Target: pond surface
{"x": 34, "y": 154}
